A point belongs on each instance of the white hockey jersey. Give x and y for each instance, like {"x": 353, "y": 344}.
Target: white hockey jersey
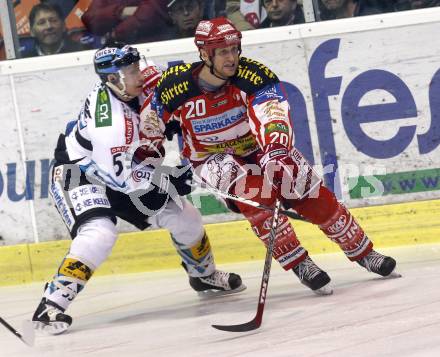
{"x": 104, "y": 139}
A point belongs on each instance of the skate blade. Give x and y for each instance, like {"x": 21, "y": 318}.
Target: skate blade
{"x": 393, "y": 275}
{"x": 54, "y": 328}
{"x": 211, "y": 293}
{"x": 325, "y": 290}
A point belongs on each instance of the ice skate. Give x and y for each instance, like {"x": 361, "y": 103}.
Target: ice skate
{"x": 217, "y": 284}
{"x": 51, "y": 318}
{"x": 380, "y": 264}
{"x": 313, "y": 277}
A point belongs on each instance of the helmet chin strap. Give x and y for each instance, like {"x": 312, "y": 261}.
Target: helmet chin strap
{"x": 120, "y": 92}
{"x": 211, "y": 70}
{"x": 211, "y": 67}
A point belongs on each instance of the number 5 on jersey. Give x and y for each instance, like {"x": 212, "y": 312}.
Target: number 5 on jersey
{"x": 117, "y": 163}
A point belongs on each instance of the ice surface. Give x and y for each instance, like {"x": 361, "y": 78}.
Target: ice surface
{"x": 157, "y": 314}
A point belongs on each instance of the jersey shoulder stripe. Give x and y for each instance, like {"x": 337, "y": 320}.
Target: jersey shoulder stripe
{"x": 176, "y": 85}
{"x": 253, "y": 76}
{"x": 86, "y": 144}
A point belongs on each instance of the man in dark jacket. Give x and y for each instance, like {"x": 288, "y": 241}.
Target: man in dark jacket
{"x": 129, "y": 21}
{"x": 340, "y": 9}
{"x": 400, "y": 5}
{"x": 282, "y": 13}
{"x": 49, "y": 31}
{"x": 185, "y": 15}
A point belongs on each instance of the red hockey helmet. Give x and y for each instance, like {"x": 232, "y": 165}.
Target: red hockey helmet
{"x": 216, "y": 33}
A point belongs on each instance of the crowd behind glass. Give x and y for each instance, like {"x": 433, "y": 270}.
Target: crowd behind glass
{"x": 58, "y": 26}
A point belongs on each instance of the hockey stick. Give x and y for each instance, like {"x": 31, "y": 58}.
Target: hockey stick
{"x": 246, "y": 201}
{"x": 28, "y": 335}
{"x": 256, "y": 322}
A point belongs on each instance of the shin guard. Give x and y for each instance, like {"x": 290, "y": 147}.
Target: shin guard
{"x": 343, "y": 229}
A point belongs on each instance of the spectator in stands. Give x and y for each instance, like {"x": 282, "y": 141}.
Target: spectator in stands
{"x": 49, "y": 32}
{"x": 185, "y": 15}
{"x": 212, "y": 7}
{"x": 282, "y": 13}
{"x": 2, "y": 48}
{"x": 400, "y": 5}
{"x": 339, "y": 9}
{"x": 66, "y": 6}
{"x": 129, "y": 21}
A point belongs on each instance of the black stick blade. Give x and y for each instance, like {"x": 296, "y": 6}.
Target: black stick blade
{"x": 28, "y": 334}
{"x": 248, "y": 326}
{"x": 256, "y": 322}
{"x": 293, "y": 215}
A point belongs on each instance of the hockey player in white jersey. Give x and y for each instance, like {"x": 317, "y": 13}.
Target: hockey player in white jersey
{"x": 101, "y": 173}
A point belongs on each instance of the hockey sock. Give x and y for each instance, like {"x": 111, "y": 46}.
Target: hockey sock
{"x": 336, "y": 222}
{"x": 70, "y": 279}
{"x": 198, "y": 259}
{"x": 287, "y": 250}
{"x": 343, "y": 229}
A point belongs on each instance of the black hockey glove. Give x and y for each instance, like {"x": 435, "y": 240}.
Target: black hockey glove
{"x": 181, "y": 178}
{"x": 171, "y": 128}
{"x": 60, "y": 154}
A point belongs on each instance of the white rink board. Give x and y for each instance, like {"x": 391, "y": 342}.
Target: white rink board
{"x": 398, "y": 54}
{"x": 15, "y": 216}
{"x": 49, "y": 92}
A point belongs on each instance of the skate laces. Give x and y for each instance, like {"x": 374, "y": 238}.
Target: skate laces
{"x": 218, "y": 278}
{"x": 373, "y": 261}
{"x": 51, "y": 311}
{"x": 307, "y": 269}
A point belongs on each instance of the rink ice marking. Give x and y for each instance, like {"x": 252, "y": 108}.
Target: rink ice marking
{"x": 388, "y": 226}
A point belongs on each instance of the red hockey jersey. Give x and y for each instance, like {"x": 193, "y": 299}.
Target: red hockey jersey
{"x": 246, "y": 114}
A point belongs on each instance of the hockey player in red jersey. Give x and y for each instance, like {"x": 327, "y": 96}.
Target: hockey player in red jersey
{"x": 235, "y": 120}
